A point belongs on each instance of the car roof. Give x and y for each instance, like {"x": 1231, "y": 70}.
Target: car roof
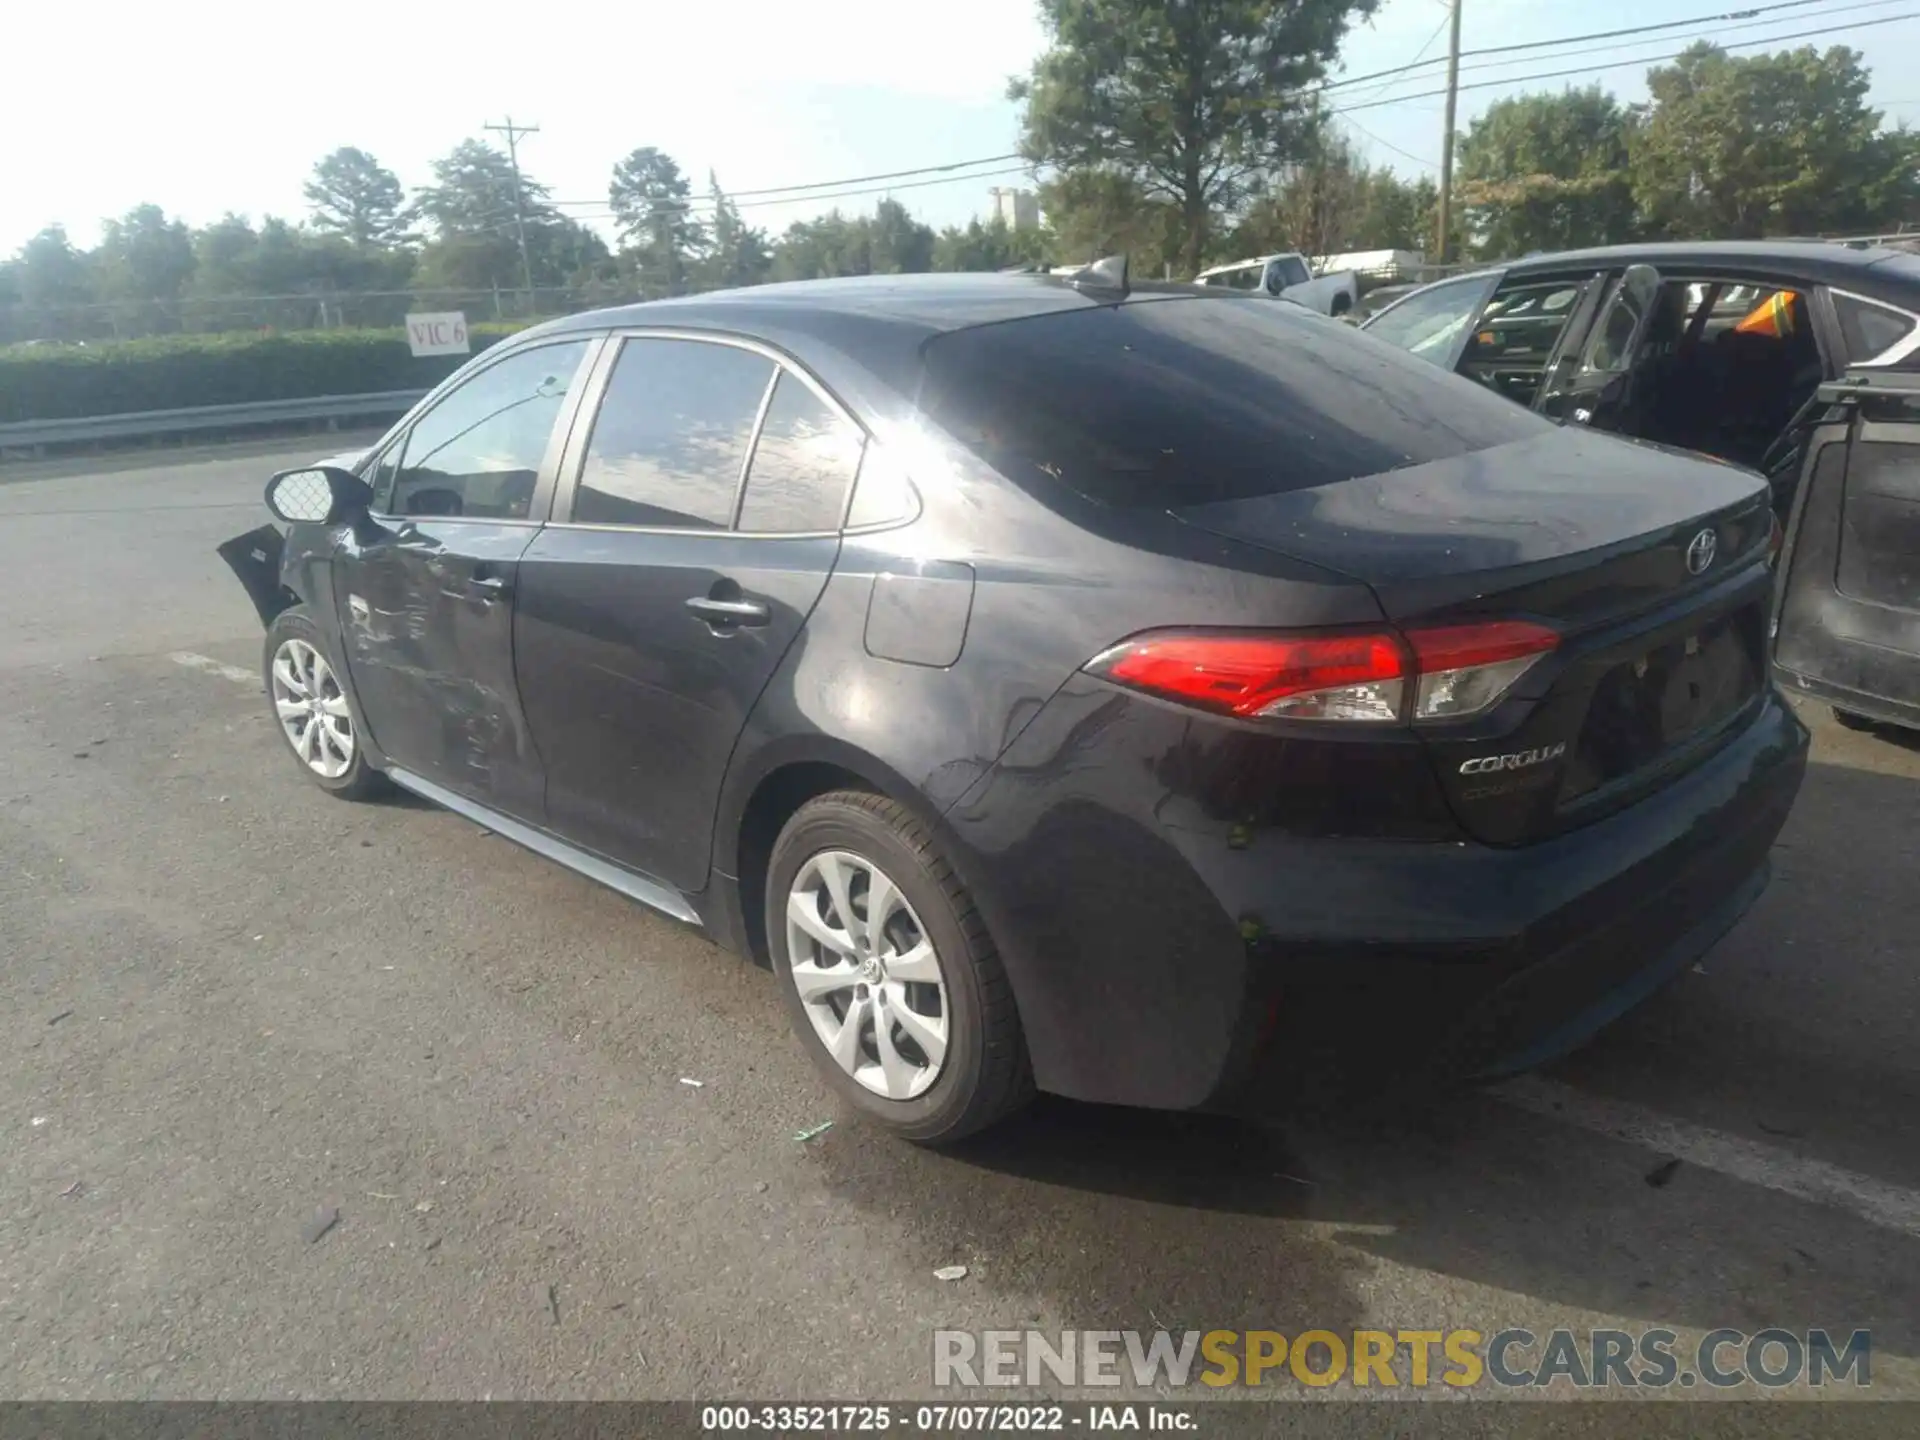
{"x": 1813, "y": 260}
{"x": 862, "y": 335}
{"x": 930, "y": 303}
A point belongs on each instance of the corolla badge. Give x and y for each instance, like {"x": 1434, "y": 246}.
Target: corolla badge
{"x": 1700, "y": 551}
{"x": 1519, "y": 760}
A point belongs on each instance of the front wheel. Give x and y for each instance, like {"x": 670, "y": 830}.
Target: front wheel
{"x": 311, "y": 709}
{"x": 889, "y": 974}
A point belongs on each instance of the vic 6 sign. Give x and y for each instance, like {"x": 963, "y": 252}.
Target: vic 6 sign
{"x": 444, "y": 333}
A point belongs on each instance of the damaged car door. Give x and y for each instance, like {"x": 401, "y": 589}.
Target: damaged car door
{"x": 1846, "y": 625}
{"x": 426, "y": 586}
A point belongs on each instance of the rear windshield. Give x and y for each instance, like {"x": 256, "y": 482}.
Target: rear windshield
{"x": 1190, "y": 400}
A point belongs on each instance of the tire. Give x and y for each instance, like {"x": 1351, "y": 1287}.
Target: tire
{"x": 1851, "y": 721}
{"x": 335, "y": 761}
{"x": 1341, "y": 305}
{"x": 982, "y": 1073}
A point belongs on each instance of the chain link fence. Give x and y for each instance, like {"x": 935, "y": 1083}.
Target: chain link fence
{"x": 22, "y": 323}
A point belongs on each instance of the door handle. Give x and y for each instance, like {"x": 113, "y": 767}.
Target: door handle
{"x": 490, "y": 587}
{"x": 728, "y": 612}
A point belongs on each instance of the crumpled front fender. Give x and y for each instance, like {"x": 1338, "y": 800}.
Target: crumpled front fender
{"x": 255, "y": 560}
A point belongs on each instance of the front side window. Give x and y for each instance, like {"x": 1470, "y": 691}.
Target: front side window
{"x": 1428, "y": 321}
{"x": 803, "y": 461}
{"x": 671, "y": 435}
{"x": 478, "y": 452}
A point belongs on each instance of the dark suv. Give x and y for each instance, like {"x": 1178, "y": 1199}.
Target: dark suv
{"x": 1152, "y": 695}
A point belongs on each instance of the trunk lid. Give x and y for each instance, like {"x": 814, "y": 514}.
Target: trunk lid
{"x": 1659, "y": 658}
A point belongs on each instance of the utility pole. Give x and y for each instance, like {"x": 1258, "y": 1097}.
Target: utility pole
{"x": 1446, "y": 140}
{"x": 513, "y": 133}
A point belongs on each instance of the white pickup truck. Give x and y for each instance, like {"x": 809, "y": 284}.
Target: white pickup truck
{"x": 1288, "y": 277}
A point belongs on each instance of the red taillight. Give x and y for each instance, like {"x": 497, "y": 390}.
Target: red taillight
{"x": 1465, "y": 669}
{"x": 1455, "y": 647}
{"x": 1249, "y": 675}
{"x": 1457, "y": 670}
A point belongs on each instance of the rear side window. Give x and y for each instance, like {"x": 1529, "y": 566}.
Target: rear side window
{"x": 1192, "y": 400}
{"x": 1870, "y": 330}
{"x": 671, "y": 435}
{"x": 803, "y": 463}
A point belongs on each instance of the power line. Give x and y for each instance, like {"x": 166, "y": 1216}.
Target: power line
{"x": 1413, "y": 64}
{"x": 1417, "y": 64}
{"x": 849, "y": 180}
{"x": 1647, "y": 60}
{"x": 607, "y": 214}
{"x": 1382, "y": 140}
{"x": 1661, "y": 40}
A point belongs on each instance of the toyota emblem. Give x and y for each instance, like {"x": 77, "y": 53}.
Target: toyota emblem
{"x": 1700, "y": 552}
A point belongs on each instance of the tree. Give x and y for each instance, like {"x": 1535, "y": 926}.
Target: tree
{"x": 1195, "y": 103}
{"x": 888, "y": 242}
{"x": 738, "y": 254}
{"x": 1099, "y": 212}
{"x": 475, "y": 240}
{"x": 354, "y": 196}
{"x": 822, "y": 248}
{"x": 994, "y": 245}
{"x": 49, "y": 271}
{"x": 144, "y": 256}
{"x": 1317, "y": 207}
{"x": 223, "y": 255}
{"x": 1549, "y": 172}
{"x": 1781, "y": 144}
{"x": 898, "y": 244}
{"x": 1330, "y": 203}
{"x": 473, "y": 192}
{"x": 651, "y": 202}
{"x": 1399, "y": 214}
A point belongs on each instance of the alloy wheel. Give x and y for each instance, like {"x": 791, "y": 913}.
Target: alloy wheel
{"x": 867, "y": 974}
{"x": 312, "y": 709}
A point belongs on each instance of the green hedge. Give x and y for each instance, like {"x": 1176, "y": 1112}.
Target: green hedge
{"x": 172, "y": 372}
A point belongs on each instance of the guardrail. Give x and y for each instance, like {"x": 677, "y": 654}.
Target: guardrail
{"x": 34, "y": 435}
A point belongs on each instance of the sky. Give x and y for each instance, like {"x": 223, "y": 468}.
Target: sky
{"x": 206, "y": 106}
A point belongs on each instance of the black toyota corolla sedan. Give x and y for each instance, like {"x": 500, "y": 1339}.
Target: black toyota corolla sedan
{"x": 1146, "y": 695}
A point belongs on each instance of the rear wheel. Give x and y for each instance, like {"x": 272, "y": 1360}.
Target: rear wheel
{"x": 311, "y": 709}
{"x": 889, "y": 974}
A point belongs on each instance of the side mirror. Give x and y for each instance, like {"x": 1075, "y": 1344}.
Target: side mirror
{"x": 317, "y": 495}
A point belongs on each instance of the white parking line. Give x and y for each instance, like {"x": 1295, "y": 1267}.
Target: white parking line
{"x": 215, "y": 667}
{"x": 1888, "y": 1206}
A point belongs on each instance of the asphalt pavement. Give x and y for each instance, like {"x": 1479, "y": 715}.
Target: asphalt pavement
{"x": 237, "y": 1010}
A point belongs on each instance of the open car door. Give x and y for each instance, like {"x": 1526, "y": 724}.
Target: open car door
{"x": 1846, "y": 625}
{"x": 1591, "y": 376}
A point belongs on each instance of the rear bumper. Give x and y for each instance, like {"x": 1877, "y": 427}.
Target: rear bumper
{"x": 1159, "y": 962}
